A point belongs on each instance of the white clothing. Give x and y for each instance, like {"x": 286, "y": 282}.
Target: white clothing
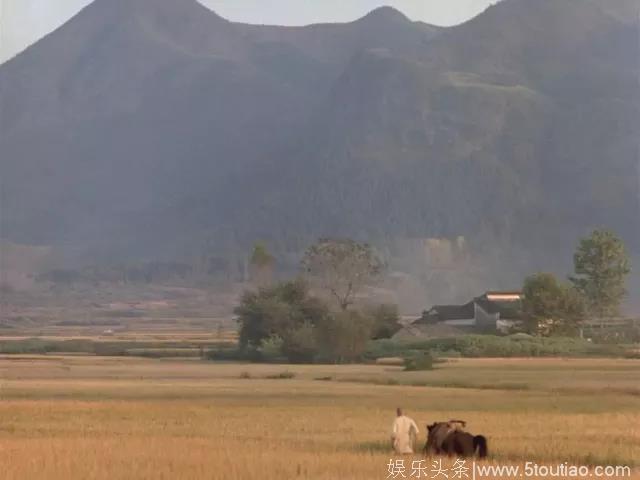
{"x": 404, "y": 432}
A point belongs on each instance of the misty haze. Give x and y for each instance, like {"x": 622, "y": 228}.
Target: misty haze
{"x": 201, "y": 205}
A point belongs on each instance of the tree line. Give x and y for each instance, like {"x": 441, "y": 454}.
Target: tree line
{"x": 316, "y": 317}
{"x": 289, "y": 320}
{"x": 594, "y": 293}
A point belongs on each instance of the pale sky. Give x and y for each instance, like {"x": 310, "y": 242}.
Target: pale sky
{"x": 23, "y": 22}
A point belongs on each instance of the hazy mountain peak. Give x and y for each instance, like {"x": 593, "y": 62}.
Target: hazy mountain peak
{"x": 156, "y": 8}
{"x": 385, "y": 14}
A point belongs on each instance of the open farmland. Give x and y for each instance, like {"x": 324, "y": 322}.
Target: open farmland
{"x": 121, "y": 418}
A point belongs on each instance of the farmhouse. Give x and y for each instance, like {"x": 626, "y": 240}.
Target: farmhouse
{"x": 494, "y": 310}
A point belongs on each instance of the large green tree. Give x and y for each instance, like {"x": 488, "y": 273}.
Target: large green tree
{"x": 341, "y": 267}
{"x": 280, "y": 310}
{"x": 551, "y": 307}
{"x": 601, "y": 266}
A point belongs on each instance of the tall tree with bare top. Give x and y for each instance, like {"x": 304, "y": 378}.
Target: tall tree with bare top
{"x": 261, "y": 265}
{"x": 342, "y": 267}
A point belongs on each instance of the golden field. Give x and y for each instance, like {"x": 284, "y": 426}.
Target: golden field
{"x": 82, "y": 418}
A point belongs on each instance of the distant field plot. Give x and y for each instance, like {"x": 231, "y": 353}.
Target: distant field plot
{"x": 77, "y": 417}
{"x": 125, "y": 312}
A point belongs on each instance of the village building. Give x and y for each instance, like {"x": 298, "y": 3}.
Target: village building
{"x": 494, "y": 311}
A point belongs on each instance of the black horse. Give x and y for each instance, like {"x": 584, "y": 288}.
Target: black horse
{"x": 449, "y": 438}
{"x": 463, "y": 444}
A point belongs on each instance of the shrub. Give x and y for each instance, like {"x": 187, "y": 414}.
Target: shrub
{"x": 386, "y": 320}
{"x": 272, "y": 348}
{"x": 253, "y": 355}
{"x": 344, "y": 336}
{"x": 299, "y": 344}
{"x": 419, "y": 362}
{"x": 286, "y": 375}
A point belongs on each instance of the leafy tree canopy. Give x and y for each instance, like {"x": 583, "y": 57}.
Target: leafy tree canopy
{"x": 276, "y": 310}
{"x": 601, "y": 267}
{"x": 551, "y": 307}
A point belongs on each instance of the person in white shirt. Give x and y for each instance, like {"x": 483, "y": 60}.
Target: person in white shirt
{"x": 403, "y": 433}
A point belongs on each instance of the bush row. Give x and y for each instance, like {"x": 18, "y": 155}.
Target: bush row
{"x": 494, "y": 346}
{"x": 106, "y": 349}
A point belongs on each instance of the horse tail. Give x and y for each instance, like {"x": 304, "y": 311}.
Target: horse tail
{"x": 480, "y": 444}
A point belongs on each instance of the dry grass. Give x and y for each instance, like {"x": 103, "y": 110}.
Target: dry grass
{"x": 91, "y": 418}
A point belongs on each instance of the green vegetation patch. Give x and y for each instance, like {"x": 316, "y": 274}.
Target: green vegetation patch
{"x": 492, "y": 346}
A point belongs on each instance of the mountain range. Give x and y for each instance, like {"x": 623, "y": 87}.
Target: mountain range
{"x": 141, "y": 128}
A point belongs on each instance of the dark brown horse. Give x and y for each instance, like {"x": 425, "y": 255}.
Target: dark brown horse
{"x": 463, "y": 444}
{"x": 449, "y": 438}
